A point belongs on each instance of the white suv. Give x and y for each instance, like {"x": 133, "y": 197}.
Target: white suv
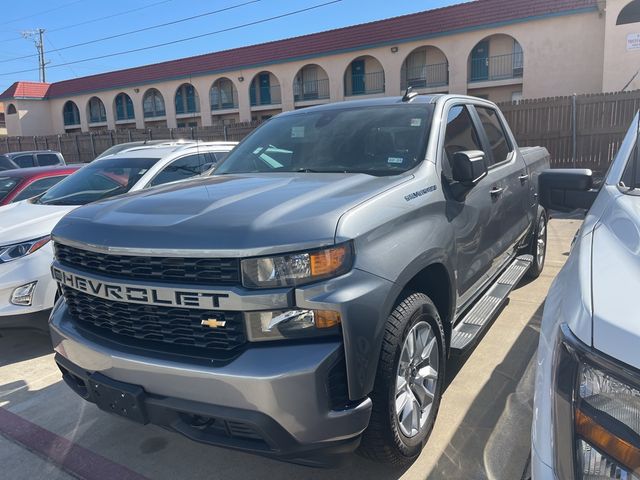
{"x": 27, "y": 291}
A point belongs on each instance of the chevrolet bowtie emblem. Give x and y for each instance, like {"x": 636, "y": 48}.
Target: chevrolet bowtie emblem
{"x": 213, "y": 323}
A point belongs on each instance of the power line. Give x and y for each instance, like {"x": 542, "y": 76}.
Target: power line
{"x": 59, "y": 7}
{"x": 98, "y": 19}
{"x": 145, "y": 29}
{"x": 173, "y": 42}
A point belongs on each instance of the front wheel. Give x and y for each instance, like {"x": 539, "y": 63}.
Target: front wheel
{"x": 408, "y": 383}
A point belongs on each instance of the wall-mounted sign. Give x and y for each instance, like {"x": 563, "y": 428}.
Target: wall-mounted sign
{"x": 633, "y": 41}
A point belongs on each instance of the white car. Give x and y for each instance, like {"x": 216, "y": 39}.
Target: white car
{"x": 27, "y": 291}
{"x": 586, "y": 422}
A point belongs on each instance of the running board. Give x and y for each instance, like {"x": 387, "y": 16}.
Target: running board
{"x": 469, "y": 329}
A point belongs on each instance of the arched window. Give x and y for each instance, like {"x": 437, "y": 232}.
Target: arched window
{"x": 265, "y": 90}
{"x": 11, "y": 109}
{"x": 71, "y": 114}
{"x": 425, "y": 67}
{"x": 310, "y": 83}
{"x": 97, "y": 112}
{"x": 223, "y": 94}
{"x": 497, "y": 57}
{"x": 629, "y": 14}
{"x": 364, "y": 76}
{"x": 187, "y": 100}
{"x": 153, "y": 104}
{"x": 124, "y": 107}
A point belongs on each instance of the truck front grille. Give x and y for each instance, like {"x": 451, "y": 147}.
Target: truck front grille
{"x": 162, "y": 329}
{"x": 202, "y": 271}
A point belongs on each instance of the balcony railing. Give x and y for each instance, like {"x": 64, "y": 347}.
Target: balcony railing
{"x": 311, "y": 90}
{"x": 158, "y": 112}
{"x": 426, "y": 76}
{"x": 263, "y": 95}
{"x": 499, "y": 67}
{"x": 364, "y": 84}
{"x": 97, "y": 118}
{"x": 71, "y": 119}
{"x": 224, "y": 103}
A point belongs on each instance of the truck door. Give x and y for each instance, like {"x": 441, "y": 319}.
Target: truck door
{"x": 475, "y": 219}
{"x": 512, "y": 182}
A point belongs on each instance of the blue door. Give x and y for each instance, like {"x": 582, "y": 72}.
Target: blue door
{"x": 265, "y": 89}
{"x": 480, "y": 62}
{"x": 357, "y": 77}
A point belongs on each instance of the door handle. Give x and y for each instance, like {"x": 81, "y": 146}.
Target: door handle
{"x": 496, "y": 191}
{"x": 523, "y": 178}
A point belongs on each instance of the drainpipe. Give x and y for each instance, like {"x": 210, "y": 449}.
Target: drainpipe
{"x": 574, "y": 128}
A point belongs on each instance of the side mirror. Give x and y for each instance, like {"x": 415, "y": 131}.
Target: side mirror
{"x": 566, "y": 189}
{"x": 469, "y": 167}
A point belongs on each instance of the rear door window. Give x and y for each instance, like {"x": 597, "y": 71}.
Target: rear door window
{"x": 6, "y": 164}
{"x": 7, "y": 185}
{"x": 45, "y": 159}
{"x": 24, "y": 161}
{"x": 498, "y": 141}
{"x": 37, "y": 187}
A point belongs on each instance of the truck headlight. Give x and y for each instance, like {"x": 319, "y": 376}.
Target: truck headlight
{"x": 299, "y": 268}
{"x": 291, "y": 324}
{"x": 8, "y": 253}
{"x": 597, "y": 412}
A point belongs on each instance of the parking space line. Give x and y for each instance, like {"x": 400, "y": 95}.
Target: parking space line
{"x": 63, "y": 453}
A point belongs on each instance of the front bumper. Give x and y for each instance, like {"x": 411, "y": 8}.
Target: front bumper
{"x": 32, "y": 268}
{"x": 279, "y": 391}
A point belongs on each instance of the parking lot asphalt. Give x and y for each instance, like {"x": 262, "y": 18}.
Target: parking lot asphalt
{"x": 482, "y": 430}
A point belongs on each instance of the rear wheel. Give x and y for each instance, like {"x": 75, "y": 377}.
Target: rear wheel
{"x": 538, "y": 246}
{"x": 408, "y": 384}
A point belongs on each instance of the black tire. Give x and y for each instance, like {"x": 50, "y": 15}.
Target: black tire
{"x": 383, "y": 440}
{"x": 539, "y": 255}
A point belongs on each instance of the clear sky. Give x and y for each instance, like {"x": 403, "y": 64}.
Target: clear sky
{"x": 69, "y": 22}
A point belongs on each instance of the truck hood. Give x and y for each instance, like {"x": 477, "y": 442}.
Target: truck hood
{"x": 616, "y": 280}
{"x": 25, "y": 220}
{"x": 238, "y": 215}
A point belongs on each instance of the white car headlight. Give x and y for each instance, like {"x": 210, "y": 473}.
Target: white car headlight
{"x": 596, "y": 414}
{"x": 9, "y": 253}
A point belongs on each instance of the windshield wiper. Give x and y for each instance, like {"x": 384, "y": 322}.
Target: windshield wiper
{"x": 311, "y": 170}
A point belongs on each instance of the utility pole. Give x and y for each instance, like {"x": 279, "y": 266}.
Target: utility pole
{"x": 38, "y": 38}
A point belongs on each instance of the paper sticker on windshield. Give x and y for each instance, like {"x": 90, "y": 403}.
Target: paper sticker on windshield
{"x": 416, "y": 122}
{"x": 395, "y": 160}
{"x": 297, "y": 132}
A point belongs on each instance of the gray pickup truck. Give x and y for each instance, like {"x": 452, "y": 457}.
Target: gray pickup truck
{"x": 305, "y": 300}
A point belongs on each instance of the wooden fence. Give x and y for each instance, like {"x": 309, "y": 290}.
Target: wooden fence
{"x": 579, "y": 131}
{"x": 84, "y": 147}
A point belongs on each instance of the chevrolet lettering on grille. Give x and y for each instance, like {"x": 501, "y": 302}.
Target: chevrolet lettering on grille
{"x": 161, "y": 296}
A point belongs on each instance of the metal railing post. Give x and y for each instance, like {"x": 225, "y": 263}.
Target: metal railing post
{"x": 78, "y": 148}
{"x": 226, "y": 133}
{"x": 60, "y": 143}
{"x": 93, "y": 144}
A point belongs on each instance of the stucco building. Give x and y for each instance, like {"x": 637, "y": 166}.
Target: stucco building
{"x": 499, "y": 49}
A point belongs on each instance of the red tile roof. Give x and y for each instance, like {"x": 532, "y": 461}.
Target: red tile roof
{"x": 26, "y": 90}
{"x": 430, "y": 23}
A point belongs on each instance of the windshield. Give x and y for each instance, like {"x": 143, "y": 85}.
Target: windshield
{"x": 98, "y": 180}
{"x": 7, "y": 184}
{"x": 378, "y": 140}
